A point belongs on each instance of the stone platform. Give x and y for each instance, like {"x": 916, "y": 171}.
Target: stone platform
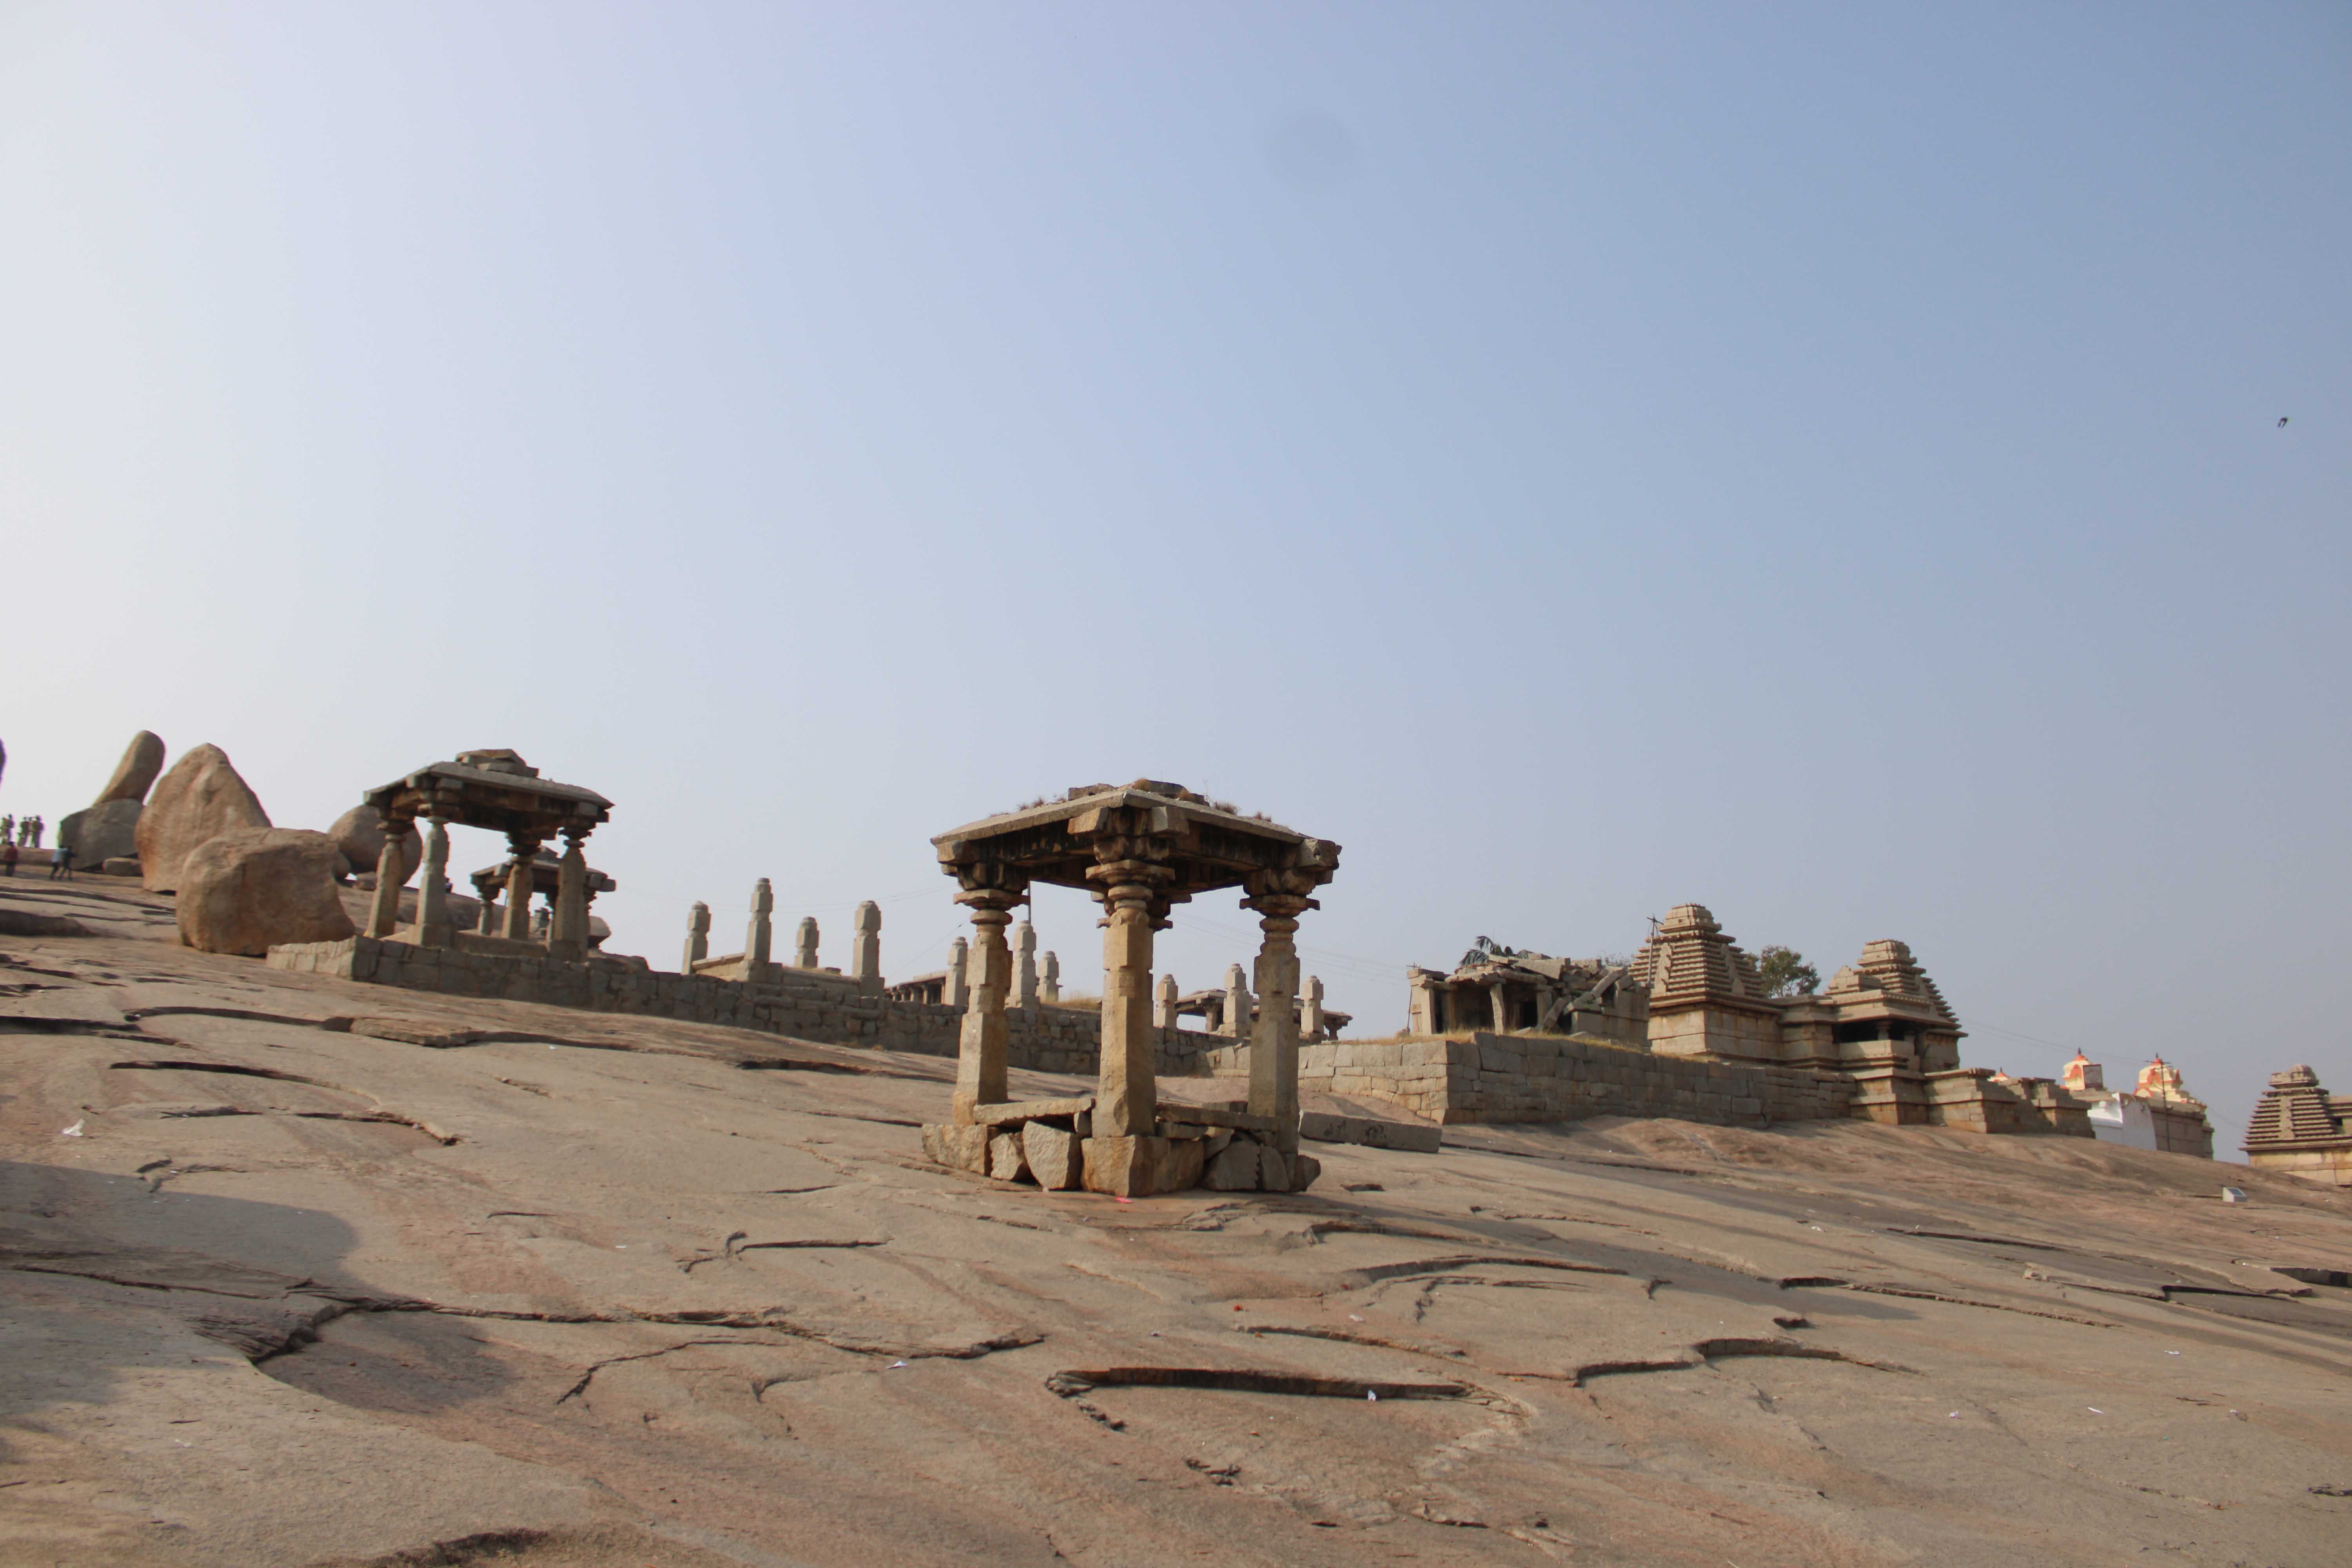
{"x": 807, "y": 1005}
{"x": 1053, "y": 1143}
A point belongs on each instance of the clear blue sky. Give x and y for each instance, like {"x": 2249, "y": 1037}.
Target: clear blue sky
{"x": 1818, "y": 461}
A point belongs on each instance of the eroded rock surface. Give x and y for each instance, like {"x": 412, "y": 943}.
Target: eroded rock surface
{"x": 607, "y": 1291}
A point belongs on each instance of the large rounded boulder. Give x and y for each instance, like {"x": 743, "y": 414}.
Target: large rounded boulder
{"x": 107, "y": 831}
{"x": 359, "y": 834}
{"x": 201, "y": 798}
{"x": 252, "y": 888}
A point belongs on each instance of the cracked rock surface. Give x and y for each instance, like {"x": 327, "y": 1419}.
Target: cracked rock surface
{"x": 573, "y": 1291}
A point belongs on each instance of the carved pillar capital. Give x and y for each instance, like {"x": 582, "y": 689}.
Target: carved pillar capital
{"x": 990, "y": 887}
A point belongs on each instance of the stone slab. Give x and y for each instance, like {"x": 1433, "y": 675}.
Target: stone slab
{"x": 1371, "y": 1132}
{"x": 1030, "y": 1110}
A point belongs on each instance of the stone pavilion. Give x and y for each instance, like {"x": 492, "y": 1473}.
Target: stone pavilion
{"x": 1140, "y": 849}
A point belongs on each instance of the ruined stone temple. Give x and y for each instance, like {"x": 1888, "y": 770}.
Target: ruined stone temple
{"x": 2301, "y": 1130}
{"x": 2157, "y": 1112}
{"x": 1878, "y": 1042}
{"x": 1139, "y": 850}
{"x": 1506, "y": 992}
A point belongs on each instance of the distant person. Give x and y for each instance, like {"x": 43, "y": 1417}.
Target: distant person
{"x": 9, "y": 829}
{"x": 35, "y": 829}
{"x": 8, "y": 857}
{"x": 62, "y": 863}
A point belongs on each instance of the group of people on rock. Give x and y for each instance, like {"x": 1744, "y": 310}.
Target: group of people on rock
{"x": 16, "y": 836}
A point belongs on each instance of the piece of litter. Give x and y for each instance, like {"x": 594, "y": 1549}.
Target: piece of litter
{"x": 1115, "y": 1198}
{"x": 2233, "y": 1194}
{"x": 1353, "y": 1319}
{"x": 1155, "y": 1333}
{"x": 897, "y": 1364}
{"x": 73, "y": 1132}
{"x": 1955, "y": 1415}
{"x": 2095, "y": 1410}
{"x": 1372, "y": 1394}
{"x": 2172, "y": 1352}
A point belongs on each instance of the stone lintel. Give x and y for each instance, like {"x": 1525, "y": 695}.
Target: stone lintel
{"x": 1030, "y": 1110}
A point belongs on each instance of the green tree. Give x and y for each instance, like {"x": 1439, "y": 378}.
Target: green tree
{"x": 1487, "y": 947}
{"x": 1786, "y": 973}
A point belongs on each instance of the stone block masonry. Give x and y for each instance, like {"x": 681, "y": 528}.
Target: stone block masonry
{"x": 806, "y": 1007}
{"x": 1542, "y": 1078}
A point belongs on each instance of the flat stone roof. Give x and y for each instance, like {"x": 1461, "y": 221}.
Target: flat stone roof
{"x": 1211, "y": 845}
{"x": 510, "y": 798}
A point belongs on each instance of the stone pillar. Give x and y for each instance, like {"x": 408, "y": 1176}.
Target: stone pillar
{"x": 567, "y": 933}
{"x": 432, "y": 928}
{"x": 1500, "y": 1006}
{"x": 518, "y": 887}
{"x": 1166, "y": 1013}
{"x": 1274, "y": 1044}
{"x": 383, "y": 909}
{"x": 805, "y": 951}
{"x": 1127, "y": 1095}
{"x": 1024, "y": 966}
{"x": 760, "y": 939}
{"x": 698, "y": 936}
{"x": 866, "y": 950}
{"x": 959, "y": 987}
{"x": 981, "y": 1045}
{"x": 1049, "y": 977}
{"x": 1237, "y": 1003}
{"x": 1310, "y": 1009}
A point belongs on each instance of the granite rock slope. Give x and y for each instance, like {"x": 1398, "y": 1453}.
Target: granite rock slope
{"x": 328, "y": 1273}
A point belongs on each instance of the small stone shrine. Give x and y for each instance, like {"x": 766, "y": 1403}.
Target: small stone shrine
{"x": 2300, "y": 1130}
{"x": 499, "y": 791}
{"x": 1140, "y": 849}
{"x": 546, "y": 881}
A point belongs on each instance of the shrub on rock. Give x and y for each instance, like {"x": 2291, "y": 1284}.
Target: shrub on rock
{"x": 252, "y": 888}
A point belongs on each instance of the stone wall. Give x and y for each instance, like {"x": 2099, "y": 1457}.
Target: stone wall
{"x": 1545, "y": 1078}
{"x": 803, "y": 1004}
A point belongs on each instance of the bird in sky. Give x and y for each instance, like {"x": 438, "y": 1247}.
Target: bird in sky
{"x": 2281, "y": 423}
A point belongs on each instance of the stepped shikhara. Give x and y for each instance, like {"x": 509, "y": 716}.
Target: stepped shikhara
{"x": 2299, "y": 1128}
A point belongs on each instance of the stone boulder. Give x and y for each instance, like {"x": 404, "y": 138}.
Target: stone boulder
{"x": 107, "y": 831}
{"x": 359, "y": 834}
{"x": 250, "y": 888}
{"x": 141, "y": 761}
{"x": 202, "y": 797}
